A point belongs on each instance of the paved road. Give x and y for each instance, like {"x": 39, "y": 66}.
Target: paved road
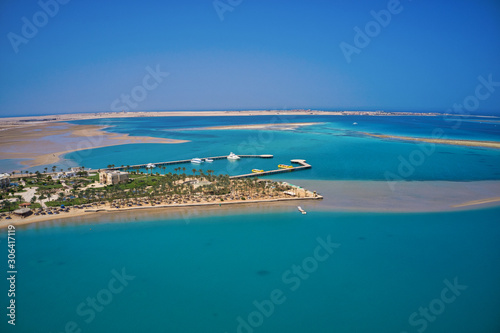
{"x": 30, "y": 192}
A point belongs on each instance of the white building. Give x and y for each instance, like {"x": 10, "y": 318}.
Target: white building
{"x": 60, "y": 175}
{"x": 4, "y": 179}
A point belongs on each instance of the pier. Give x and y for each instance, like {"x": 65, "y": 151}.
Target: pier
{"x": 140, "y": 166}
{"x": 302, "y": 165}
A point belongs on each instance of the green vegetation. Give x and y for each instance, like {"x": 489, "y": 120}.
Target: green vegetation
{"x": 166, "y": 187}
{"x": 8, "y": 206}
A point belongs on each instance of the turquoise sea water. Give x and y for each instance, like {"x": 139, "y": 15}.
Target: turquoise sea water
{"x": 202, "y": 275}
{"x": 335, "y": 148}
{"x": 218, "y": 272}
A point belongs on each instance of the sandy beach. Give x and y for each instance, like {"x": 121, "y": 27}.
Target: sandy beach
{"x": 43, "y": 144}
{"x": 106, "y": 210}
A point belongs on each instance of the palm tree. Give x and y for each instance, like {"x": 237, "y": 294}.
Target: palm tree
{"x": 7, "y": 204}
{"x": 45, "y": 170}
{"x": 54, "y": 168}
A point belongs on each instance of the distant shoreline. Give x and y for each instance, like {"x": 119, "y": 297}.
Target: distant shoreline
{"x": 25, "y": 121}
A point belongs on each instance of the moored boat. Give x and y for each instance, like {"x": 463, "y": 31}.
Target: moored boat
{"x": 196, "y": 160}
{"x": 208, "y": 160}
{"x": 284, "y": 166}
{"x": 233, "y": 156}
{"x": 257, "y": 170}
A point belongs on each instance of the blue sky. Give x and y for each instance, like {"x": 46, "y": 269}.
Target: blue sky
{"x": 262, "y": 55}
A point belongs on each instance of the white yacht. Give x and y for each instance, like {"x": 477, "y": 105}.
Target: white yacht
{"x": 233, "y": 156}
{"x": 208, "y": 160}
{"x": 196, "y": 160}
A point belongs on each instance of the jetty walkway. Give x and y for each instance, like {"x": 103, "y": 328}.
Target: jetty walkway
{"x": 140, "y": 166}
{"x": 302, "y": 165}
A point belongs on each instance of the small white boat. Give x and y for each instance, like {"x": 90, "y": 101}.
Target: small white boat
{"x": 233, "y": 156}
{"x": 208, "y": 160}
{"x": 301, "y": 210}
{"x": 354, "y": 123}
{"x": 196, "y": 160}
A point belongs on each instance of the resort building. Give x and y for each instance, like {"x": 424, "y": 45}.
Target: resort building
{"x": 113, "y": 177}
{"x": 60, "y": 175}
{"x": 4, "y": 179}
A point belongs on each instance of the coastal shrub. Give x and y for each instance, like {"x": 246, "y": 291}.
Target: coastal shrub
{"x": 9, "y": 207}
{"x": 94, "y": 178}
{"x": 70, "y": 202}
{"x": 48, "y": 186}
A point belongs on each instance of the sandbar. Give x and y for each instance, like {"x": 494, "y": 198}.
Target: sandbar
{"x": 478, "y": 202}
{"x": 269, "y": 126}
{"x": 455, "y": 142}
{"x": 43, "y": 144}
{"x": 407, "y": 196}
